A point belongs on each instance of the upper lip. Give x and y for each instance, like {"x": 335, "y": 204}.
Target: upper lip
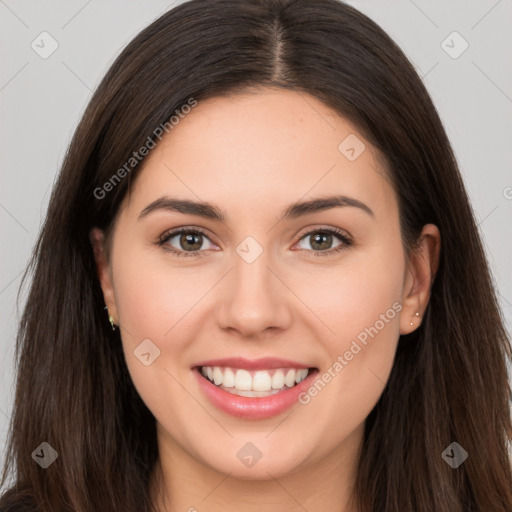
{"x": 264, "y": 363}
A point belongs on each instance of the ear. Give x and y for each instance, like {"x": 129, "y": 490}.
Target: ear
{"x": 97, "y": 238}
{"x": 420, "y": 274}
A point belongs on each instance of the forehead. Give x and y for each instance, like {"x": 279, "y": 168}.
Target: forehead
{"x": 254, "y": 150}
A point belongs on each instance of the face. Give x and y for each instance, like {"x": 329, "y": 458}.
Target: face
{"x": 267, "y": 287}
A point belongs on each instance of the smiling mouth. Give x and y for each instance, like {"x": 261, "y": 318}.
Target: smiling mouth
{"x": 258, "y": 383}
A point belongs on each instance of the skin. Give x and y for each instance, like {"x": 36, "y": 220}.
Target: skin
{"x": 253, "y": 154}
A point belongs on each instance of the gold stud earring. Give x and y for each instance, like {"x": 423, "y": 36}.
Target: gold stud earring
{"x": 110, "y": 319}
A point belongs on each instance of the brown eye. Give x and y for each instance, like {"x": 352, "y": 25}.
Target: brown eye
{"x": 184, "y": 242}
{"x": 321, "y": 241}
{"x": 190, "y": 241}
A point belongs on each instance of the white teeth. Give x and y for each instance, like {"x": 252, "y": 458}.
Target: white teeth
{"x": 229, "y": 378}
{"x": 289, "y": 380}
{"x": 243, "y": 380}
{"x": 251, "y": 394}
{"x": 256, "y": 383}
{"x": 217, "y": 376}
{"x": 278, "y": 380}
{"x": 261, "y": 381}
{"x": 301, "y": 375}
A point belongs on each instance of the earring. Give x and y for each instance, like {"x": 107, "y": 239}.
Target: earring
{"x": 110, "y": 319}
{"x": 415, "y": 314}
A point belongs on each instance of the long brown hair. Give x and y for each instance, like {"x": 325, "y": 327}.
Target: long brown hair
{"x": 449, "y": 381}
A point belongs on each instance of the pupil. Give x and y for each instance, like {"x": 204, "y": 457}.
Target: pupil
{"x": 189, "y": 239}
{"x": 318, "y": 239}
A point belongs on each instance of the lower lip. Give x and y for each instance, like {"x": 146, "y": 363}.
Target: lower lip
{"x": 257, "y": 408}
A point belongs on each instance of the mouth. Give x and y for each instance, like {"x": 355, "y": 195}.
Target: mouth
{"x": 254, "y": 392}
{"x": 255, "y": 383}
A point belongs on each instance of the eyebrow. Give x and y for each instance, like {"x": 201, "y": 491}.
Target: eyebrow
{"x": 212, "y": 212}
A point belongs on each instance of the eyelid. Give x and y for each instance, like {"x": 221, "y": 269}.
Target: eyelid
{"x": 176, "y": 231}
{"x": 325, "y": 228}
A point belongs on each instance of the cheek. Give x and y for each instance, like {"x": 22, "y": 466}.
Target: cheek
{"x": 360, "y": 302}
{"x": 153, "y": 300}
{"x": 152, "y": 295}
{"x": 353, "y": 295}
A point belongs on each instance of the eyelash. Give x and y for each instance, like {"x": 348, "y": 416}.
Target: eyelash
{"x": 346, "y": 241}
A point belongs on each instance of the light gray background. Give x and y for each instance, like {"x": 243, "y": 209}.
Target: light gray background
{"x": 41, "y": 101}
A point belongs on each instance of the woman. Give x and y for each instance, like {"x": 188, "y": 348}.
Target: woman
{"x": 260, "y": 285}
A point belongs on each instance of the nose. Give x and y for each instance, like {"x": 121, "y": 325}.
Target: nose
{"x": 255, "y": 299}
